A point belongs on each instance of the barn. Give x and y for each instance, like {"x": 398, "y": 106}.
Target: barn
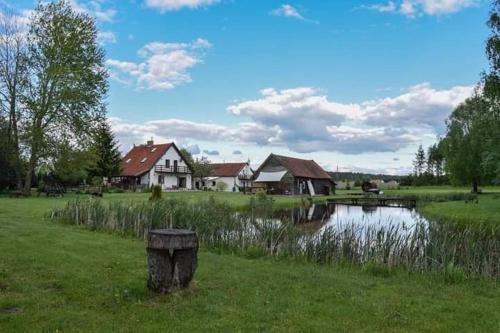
{"x": 287, "y": 175}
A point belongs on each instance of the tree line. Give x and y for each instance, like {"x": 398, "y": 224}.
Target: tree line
{"x": 469, "y": 152}
{"x": 53, "y": 85}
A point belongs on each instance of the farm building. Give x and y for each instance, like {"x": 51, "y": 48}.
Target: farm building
{"x": 150, "y": 164}
{"x": 235, "y": 177}
{"x": 288, "y": 175}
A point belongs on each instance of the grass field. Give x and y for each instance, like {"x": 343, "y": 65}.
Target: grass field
{"x": 486, "y": 210}
{"x": 56, "y": 277}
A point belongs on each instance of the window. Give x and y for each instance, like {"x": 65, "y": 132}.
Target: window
{"x": 153, "y": 150}
{"x": 128, "y": 161}
{"x": 144, "y": 159}
{"x": 214, "y": 183}
{"x": 167, "y": 163}
{"x": 160, "y": 179}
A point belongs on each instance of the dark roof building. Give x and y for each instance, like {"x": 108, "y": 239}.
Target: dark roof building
{"x": 289, "y": 175}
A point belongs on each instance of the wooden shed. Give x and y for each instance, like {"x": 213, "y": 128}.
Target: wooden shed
{"x": 295, "y": 176}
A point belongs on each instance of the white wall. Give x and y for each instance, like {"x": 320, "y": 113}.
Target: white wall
{"x": 231, "y": 182}
{"x": 169, "y": 179}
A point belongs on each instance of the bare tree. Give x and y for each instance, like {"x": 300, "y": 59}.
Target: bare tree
{"x": 12, "y": 80}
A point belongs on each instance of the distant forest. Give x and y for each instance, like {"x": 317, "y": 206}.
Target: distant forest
{"x": 353, "y": 176}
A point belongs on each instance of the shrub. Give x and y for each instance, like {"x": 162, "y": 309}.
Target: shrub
{"x": 155, "y": 193}
{"x": 221, "y": 186}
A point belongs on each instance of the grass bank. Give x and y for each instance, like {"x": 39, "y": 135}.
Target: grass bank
{"x": 484, "y": 210}
{"x": 56, "y": 277}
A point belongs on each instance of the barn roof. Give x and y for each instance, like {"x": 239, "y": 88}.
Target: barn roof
{"x": 227, "y": 169}
{"x": 143, "y": 158}
{"x": 300, "y": 168}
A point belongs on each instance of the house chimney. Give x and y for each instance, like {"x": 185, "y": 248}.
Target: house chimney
{"x": 150, "y": 142}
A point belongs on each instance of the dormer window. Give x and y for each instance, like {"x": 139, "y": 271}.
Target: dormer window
{"x": 144, "y": 159}
{"x": 128, "y": 161}
{"x": 153, "y": 150}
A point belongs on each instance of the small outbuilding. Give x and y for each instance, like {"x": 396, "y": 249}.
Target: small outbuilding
{"x": 295, "y": 176}
{"x": 235, "y": 177}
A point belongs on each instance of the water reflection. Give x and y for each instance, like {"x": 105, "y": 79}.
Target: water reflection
{"x": 320, "y": 216}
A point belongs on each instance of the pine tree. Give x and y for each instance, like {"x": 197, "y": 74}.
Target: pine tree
{"x": 419, "y": 162}
{"x": 106, "y": 153}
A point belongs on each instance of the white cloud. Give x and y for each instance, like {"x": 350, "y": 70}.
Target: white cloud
{"x": 106, "y": 37}
{"x": 95, "y": 9}
{"x": 165, "y": 65}
{"x": 382, "y": 7}
{"x": 421, "y": 105}
{"x": 304, "y": 121}
{"x": 211, "y": 152}
{"x": 171, "y": 5}
{"x": 287, "y": 10}
{"x": 412, "y": 8}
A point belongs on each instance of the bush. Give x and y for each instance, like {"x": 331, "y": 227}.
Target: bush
{"x": 221, "y": 186}
{"x": 155, "y": 193}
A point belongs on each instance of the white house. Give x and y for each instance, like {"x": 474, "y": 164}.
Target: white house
{"x": 236, "y": 177}
{"x": 150, "y": 164}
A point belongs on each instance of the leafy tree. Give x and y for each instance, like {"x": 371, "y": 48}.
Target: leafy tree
{"x": 7, "y": 171}
{"x": 419, "y": 162}
{"x": 221, "y": 186}
{"x": 186, "y": 156}
{"x": 492, "y": 78}
{"x": 105, "y": 152}
{"x": 71, "y": 165}
{"x": 67, "y": 80}
{"x": 13, "y": 72}
{"x": 202, "y": 169}
{"x": 464, "y": 142}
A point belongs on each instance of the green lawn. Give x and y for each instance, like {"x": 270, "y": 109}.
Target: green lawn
{"x": 63, "y": 278}
{"x": 485, "y": 210}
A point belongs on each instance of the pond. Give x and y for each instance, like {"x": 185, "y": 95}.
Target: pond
{"x": 319, "y": 217}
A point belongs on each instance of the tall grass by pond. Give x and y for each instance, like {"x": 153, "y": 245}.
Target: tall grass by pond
{"x": 466, "y": 250}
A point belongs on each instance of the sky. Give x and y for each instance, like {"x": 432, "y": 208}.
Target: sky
{"x": 354, "y": 85}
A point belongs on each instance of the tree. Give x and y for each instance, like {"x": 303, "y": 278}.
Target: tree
{"x": 464, "y": 142}
{"x": 67, "y": 80}
{"x": 419, "y": 162}
{"x": 492, "y": 78}
{"x": 491, "y": 83}
{"x": 71, "y": 166}
{"x": 105, "y": 151}
{"x": 186, "y": 156}
{"x": 7, "y": 170}
{"x": 221, "y": 186}
{"x": 202, "y": 169}
{"x": 12, "y": 84}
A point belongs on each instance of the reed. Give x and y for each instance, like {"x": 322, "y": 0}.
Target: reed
{"x": 445, "y": 248}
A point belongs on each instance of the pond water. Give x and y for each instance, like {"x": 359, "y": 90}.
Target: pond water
{"x": 318, "y": 217}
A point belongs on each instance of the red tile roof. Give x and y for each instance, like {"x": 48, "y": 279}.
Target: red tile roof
{"x": 227, "y": 169}
{"x": 300, "y": 168}
{"x": 142, "y": 158}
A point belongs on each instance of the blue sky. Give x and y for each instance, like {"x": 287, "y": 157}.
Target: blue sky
{"x": 353, "y": 84}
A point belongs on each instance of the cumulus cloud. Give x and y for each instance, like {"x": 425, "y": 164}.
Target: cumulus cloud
{"x": 287, "y": 10}
{"x": 304, "y": 120}
{"x": 193, "y": 149}
{"x": 106, "y": 37}
{"x": 164, "y": 66}
{"x": 421, "y": 105}
{"x": 95, "y": 9}
{"x": 382, "y": 7}
{"x": 171, "y": 5}
{"x": 412, "y": 8}
{"x": 211, "y": 152}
